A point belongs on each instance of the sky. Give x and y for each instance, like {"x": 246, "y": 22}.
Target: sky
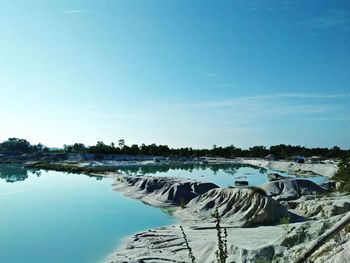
{"x": 184, "y": 73}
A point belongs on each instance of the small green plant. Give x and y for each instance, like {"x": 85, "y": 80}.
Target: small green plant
{"x": 183, "y": 202}
{"x": 190, "y": 253}
{"x": 285, "y": 223}
{"x": 225, "y": 242}
{"x": 221, "y": 252}
{"x": 343, "y": 175}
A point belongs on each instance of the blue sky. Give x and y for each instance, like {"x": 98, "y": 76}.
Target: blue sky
{"x": 182, "y": 73}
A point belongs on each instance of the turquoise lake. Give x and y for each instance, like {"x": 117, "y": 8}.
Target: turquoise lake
{"x": 223, "y": 175}
{"x": 48, "y": 216}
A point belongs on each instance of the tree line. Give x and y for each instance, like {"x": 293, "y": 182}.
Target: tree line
{"x": 15, "y": 145}
{"x": 279, "y": 151}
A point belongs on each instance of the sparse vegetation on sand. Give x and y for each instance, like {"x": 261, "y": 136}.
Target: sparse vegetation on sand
{"x": 190, "y": 253}
{"x": 343, "y": 175}
{"x": 221, "y": 253}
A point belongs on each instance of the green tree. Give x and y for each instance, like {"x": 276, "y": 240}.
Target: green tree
{"x": 16, "y": 145}
{"x": 121, "y": 143}
{"x": 258, "y": 151}
{"x": 78, "y": 148}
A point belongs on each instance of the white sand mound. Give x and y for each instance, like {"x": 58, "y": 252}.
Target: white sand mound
{"x": 162, "y": 191}
{"x": 291, "y": 189}
{"x": 240, "y": 207}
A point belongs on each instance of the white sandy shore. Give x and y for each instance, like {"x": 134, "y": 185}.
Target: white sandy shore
{"x": 328, "y": 168}
{"x": 167, "y": 244}
{"x": 261, "y": 244}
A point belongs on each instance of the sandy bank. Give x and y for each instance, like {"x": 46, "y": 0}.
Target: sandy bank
{"x": 260, "y": 244}
{"x": 167, "y": 244}
{"x": 328, "y": 168}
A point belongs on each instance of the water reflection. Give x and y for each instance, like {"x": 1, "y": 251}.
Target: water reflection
{"x": 68, "y": 218}
{"x": 12, "y": 173}
{"x": 164, "y": 168}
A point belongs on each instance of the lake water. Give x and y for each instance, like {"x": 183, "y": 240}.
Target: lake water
{"x": 57, "y": 217}
{"x": 222, "y": 175}
{"x": 70, "y": 218}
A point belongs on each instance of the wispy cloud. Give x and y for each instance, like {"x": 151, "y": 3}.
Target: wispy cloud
{"x": 295, "y": 109}
{"x": 211, "y": 74}
{"x": 261, "y": 6}
{"x": 329, "y": 19}
{"x": 270, "y": 106}
{"x": 76, "y": 11}
{"x": 225, "y": 84}
{"x": 332, "y": 118}
{"x": 268, "y": 98}
{"x": 268, "y": 111}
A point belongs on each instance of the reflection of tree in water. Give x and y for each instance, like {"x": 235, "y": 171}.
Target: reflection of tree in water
{"x": 232, "y": 169}
{"x": 164, "y": 168}
{"x": 35, "y": 172}
{"x": 13, "y": 173}
{"x": 97, "y": 177}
